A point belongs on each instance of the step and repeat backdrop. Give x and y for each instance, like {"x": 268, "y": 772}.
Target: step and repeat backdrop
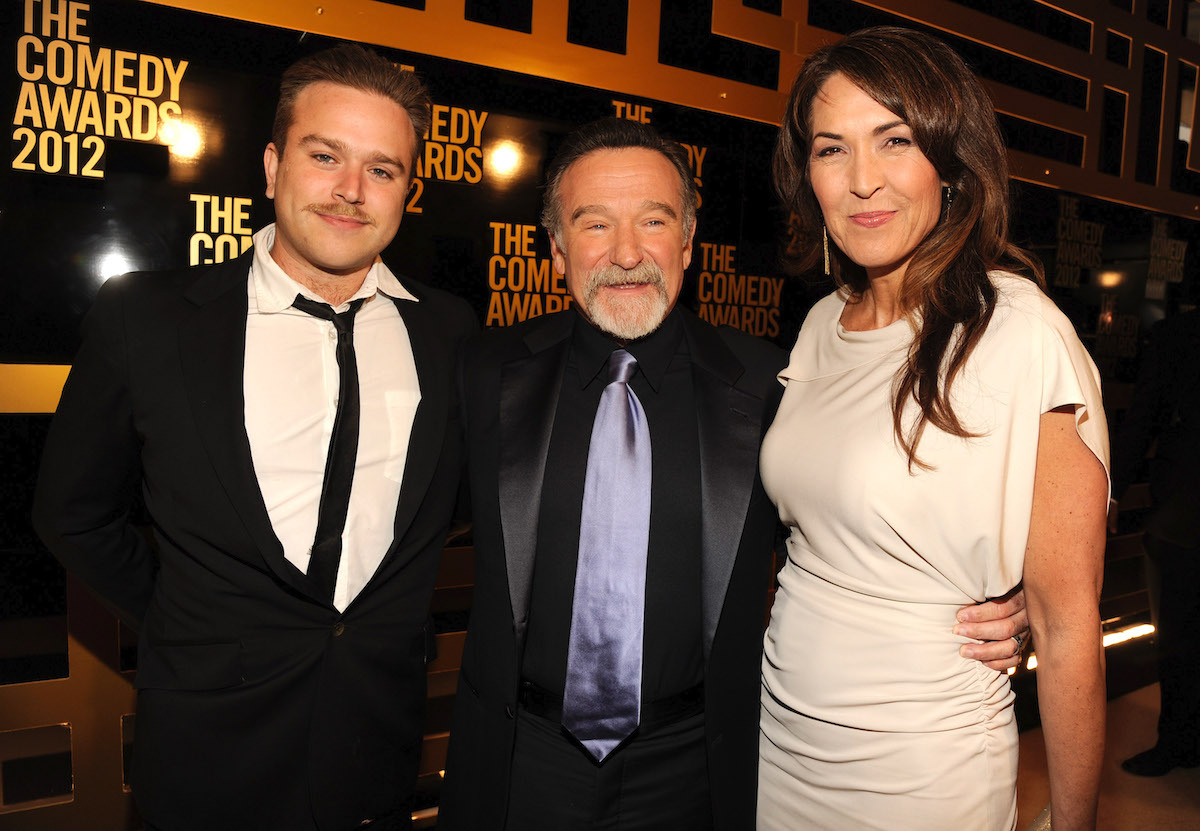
{"x": 136, "y": 141}
{"x": 139, "y": 146}
{"x": 138, "y": 128}
{"x": 136, "y": 137}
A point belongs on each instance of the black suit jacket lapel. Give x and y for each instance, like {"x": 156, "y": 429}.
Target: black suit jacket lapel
{"x": 212, "y": 353}
{"x": 729, "y": 424}
{"x": 529, "y": 389}
{"x": 434, "y": 373}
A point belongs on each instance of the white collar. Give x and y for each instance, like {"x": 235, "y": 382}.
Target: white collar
{"x": 274, "y": 290}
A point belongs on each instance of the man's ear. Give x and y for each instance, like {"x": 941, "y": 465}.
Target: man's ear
{"x": 687, "y": 245}
{"x": 560, "y": 261}
{"x": 271, "y": 167}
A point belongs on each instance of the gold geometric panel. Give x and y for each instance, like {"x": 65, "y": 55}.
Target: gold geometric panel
{"x": 442, "y": 29}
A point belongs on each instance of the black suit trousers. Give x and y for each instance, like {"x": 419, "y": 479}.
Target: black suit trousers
{"x": 1178, "y": 644}
{"x": 656, "y": 782}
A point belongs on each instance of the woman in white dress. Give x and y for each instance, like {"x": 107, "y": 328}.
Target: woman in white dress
{"x": 941, "y": 438}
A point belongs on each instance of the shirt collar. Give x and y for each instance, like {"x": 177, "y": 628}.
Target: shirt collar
{"x": 274, "y": 290}
{"x": 653, "y": 352}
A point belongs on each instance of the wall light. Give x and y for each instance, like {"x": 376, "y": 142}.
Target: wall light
{"x": 504, "y": 159}
{"x": 1113, "y": 638}
{"x": 113, "y": 263}
{"x": 184, "y": 138}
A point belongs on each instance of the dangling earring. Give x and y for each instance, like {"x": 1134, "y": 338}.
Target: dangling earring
{"x": 949, "y": 197}
{"x": 825, "y": 248}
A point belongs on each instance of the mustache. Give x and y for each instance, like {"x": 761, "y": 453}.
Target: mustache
{"x": 340, "y": 209}
{"x": 613, "y": 275}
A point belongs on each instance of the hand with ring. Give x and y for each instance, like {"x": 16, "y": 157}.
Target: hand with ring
{"x": 999, "y": 629}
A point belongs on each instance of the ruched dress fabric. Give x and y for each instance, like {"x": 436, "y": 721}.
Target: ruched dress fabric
{"x": 870, "y": 718}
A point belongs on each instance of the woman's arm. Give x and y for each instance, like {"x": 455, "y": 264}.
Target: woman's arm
{"x": 1064, "y": 567}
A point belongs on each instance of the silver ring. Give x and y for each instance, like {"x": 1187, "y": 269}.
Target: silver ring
{"x": 1020, "y": 643}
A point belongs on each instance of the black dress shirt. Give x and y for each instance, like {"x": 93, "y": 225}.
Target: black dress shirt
{"x": 672, "y": 647}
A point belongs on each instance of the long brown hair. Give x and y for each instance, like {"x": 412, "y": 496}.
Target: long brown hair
{"x": 946, "y": 285}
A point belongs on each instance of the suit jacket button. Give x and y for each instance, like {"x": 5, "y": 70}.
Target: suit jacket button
{"x": 338, "y": 628}
{"x": 508, "y": 711}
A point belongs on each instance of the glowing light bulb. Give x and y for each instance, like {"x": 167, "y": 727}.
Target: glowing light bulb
{"x": 113, "y": 264}
{"x": 505, "y": 159}
{"x": 184, "y": 139}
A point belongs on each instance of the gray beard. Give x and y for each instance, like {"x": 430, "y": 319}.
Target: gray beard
{"x": 630, "y": 318}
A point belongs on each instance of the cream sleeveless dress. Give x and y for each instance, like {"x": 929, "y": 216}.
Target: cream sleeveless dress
{"x": 870, "y": 719}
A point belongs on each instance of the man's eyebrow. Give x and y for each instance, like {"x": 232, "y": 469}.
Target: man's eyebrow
{"x": 647, "y": 205}
{"x": 655, "y": 205}
{"x": 587, "y": 209}
{"x": 341, "y": 147}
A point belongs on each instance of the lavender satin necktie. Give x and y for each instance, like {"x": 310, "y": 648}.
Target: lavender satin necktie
{"x": 603, "y": 693}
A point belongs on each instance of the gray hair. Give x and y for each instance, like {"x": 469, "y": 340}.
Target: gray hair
{"x": 615, "y": 134}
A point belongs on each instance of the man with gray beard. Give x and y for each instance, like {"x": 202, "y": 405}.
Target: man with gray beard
{"x": 622, "y": 537}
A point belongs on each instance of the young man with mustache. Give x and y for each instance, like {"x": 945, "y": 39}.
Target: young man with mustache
{"x": 291, "y": 422}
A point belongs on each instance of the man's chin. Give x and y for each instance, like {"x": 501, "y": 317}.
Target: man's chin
{"x": 344, "y": 259}
{"x": 624, "y": 326}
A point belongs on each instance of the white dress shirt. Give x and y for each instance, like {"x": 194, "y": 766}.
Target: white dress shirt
{"x": 291, "y": 382}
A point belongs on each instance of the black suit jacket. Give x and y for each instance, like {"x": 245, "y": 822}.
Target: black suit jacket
{"x": 511, "y": 381}
{"x": 260, "y": 706}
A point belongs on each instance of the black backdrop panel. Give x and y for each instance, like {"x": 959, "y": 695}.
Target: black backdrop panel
{"x": 137, "y": 141}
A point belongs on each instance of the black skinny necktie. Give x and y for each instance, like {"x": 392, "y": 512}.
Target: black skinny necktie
{"x": 343, "y": 450}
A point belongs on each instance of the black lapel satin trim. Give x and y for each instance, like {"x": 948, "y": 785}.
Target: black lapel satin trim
{"x": 212, "y": 353}
{"x": 729, "y": 424}
{"x": 434, "y": 373}
{"x": 529, "y": 389}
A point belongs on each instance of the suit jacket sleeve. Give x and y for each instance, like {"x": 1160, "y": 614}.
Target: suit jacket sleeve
{"x": 91, "y": 468}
